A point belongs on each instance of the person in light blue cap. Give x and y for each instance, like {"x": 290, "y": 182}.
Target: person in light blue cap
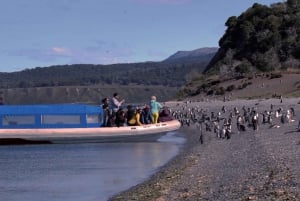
{"x": 154, "y": 108}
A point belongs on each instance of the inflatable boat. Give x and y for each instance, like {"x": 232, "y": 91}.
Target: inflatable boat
{"x": 70, "y": 123}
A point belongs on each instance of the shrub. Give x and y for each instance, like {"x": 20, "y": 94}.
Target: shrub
{"x": 215, "y": 82}
{"x": 275, "y": 75}
{"x": 244, "y": 67}
{"x": 244, "y": 85}
{"x": 210, "y": 92}
{"x": 230, "y": 87}
{"x": 220, "y": 91}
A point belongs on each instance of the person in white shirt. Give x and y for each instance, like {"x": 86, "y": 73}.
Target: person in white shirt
{"x": 115, "y": 103}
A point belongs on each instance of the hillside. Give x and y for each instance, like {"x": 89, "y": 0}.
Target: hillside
{"x": 262, "y": 39}
{"x": 136, "y": 82}
{"x": 177, "y": 73}
{"x": 86, "y": 94}
{"x": 259, "y": 56}
{"x": 265, "y": 85}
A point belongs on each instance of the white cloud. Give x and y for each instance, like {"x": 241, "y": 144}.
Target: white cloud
{"x": 101, "y": 53}
{"x": 61, "y": 51}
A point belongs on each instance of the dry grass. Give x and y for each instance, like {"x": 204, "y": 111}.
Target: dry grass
{"x": 259, "y": 87}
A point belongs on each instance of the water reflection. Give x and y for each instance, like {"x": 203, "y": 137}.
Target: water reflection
{"x": 74, "y": 172}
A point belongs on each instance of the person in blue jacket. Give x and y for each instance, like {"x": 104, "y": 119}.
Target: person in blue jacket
{"x": 154, "y": 108}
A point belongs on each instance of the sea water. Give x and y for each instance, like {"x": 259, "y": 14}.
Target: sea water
{"x": 80, "y": 172}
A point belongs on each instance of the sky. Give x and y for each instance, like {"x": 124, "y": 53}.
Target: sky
{"x": 41, "y": 33}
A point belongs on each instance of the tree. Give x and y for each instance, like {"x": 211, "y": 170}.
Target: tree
{"x": 246, "y": 30}
{"x": 293, "y": 3}
{"x": 244, "y": 67}
{"x": 231, "y": 22}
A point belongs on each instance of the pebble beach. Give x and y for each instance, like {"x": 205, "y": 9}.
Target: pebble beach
{"x": 260, "y": 164}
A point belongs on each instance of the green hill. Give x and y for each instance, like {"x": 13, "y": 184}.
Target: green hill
{"x": 173, "y": 74}
{"x": 260, "y": 48}
{"x": 262, "y": 39}
{"x": 136, "y": 82}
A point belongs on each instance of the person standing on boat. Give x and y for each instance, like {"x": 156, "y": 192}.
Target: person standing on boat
{"x": 115, "y": 102}
{"x": 106, "y": 113}
{"x": 115, "y": 105}
{"x": 154, "y": 108}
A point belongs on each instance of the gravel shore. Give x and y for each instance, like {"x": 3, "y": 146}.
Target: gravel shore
{"x": 251, "y": 165}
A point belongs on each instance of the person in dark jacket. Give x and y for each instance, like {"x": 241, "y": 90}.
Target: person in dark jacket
{"x": 165, "y": 115}
{"x": 106, "y": 114}
{"x": 146, "y": 117}
{"x": 120, "y": 118}
{"x": 129, "y": 113}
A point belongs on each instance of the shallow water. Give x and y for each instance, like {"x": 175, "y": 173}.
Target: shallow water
{"x": 80, "y": 172}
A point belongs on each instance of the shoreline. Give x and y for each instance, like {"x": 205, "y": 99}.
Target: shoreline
{"x": 149, "y": 189}
{"x": 253, "y": 165}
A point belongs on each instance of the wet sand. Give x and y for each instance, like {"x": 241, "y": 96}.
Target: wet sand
{"x": 251, "y": 165}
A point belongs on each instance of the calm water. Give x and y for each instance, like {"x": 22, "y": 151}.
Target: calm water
{"x": 80, "y": 172}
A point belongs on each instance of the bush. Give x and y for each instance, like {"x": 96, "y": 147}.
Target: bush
{"x": 220, "y": 91}
{"x": 244, "y": 85}
{"x": 244, "y": 67}
{"x": 275, "y": 75}
{"x": 215, "y": 82}
{"x": 210, "y": 92}
{"x": 230, "y": 87}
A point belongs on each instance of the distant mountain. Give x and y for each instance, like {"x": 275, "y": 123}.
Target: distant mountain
{"x": 89, "y": 83}
{"x": 178, "y": 69}
{"x": 193, "y": 56}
